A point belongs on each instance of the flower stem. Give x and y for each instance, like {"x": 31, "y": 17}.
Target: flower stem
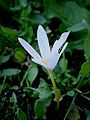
{"x": 57, "y": 91}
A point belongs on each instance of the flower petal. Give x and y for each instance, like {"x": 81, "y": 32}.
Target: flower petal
{"x": 39, "y": 62}
{"x": 58, "y": 44}
{"x": 29, "y": 49}
{"x": 54, "y": 57}
{"x": 43, "y": 42}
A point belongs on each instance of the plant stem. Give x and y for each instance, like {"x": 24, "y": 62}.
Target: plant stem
{"x": 73, "y": 100}
{"x": 70, "y": 107}
{"x": 57, "y": 91}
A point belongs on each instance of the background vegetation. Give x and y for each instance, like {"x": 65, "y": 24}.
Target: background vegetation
{"x": 25, "y": 89}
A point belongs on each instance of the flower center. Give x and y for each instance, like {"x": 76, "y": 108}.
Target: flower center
{"x": 45, "y": 61}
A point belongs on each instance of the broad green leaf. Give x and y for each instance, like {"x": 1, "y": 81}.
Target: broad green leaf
{"x": 63, "y": 65}
{"x": 85, "y": 69}
{"x": 21, "y": 115}
{"x": 9, "y": 72}
{"x": 69, "y": 12}
{"x": 4, "y": 59}
{"x": 87, "y": 46}
{"x": 20, "y": 56}
{"x": 75, "y": 45}
{"x": 32, "y": 74}
{"x": 70, "y": 93}
{"x": 78, "y": 27}
{"x": 39, "y": 109}
{"x": 44, "y": 92}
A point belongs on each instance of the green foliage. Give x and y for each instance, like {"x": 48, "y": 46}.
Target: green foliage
{"x": 85, "y": 69}
{"x": 40, "y": 109}
{"x": 87, "y": 47}
{"x": 69, "y": 12}
{"x": 79, "y": 26}
{"x": 71, "y": 93}
{"x": 20, "y": 55}
{"x": 4, "y": 59}
{"x": 88, "y": 115}
{"x": 74, "y": 114}
{"x": 32, "y": 74}
{"x": 21, "y": 115}
{"x": 26, "y": 93}
{"x": 9, "y": 72}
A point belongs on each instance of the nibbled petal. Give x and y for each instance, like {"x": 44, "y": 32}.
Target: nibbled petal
{"x": 61, "y": 40}
{"x": 29, "y": 49}
{"x": 54, "y": 57}
{"x": 43, "y": 42}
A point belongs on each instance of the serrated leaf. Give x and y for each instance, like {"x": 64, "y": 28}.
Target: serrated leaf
{"x": 9, "y": 72}
{"x": 39, "y": 109}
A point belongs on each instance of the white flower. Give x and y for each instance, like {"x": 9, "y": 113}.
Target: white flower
{"x": 48, "y": 58}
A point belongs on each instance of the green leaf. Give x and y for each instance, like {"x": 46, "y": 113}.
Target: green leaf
{"x": 32, "y": 74}
{"x": 78, "y": 27}
{"x": 87, "y": 46}
{"x": 8, "y": 37}
{"x": 74, "y": 114}
{"x": 87, "y": 2}
{"x": 38, "y": 18}
{"x": 69, "y": 12}
{"x": 71, "y": 93}
{"x": 23, "y": 3}
{"x": 85, "y": 68}
{"x": 20, "y": 55}
{"x": 9, "y": 72}
{"x": 13, "y": 98}
{"x": 63, "y": 65}
{"x": 75, "y": 45}
{"x": 8, "y": 32}
{"x": 4, "y": 59}
{"x": 44, "y": 92}
{"x": 39, "y": 109}
{"x": 21, "y": 115}
{"x": 88, "y": 115}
